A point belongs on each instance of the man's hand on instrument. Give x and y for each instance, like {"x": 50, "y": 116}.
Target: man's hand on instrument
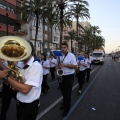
{"x": 62, "y": 65}
{"x": 3, "y": 73}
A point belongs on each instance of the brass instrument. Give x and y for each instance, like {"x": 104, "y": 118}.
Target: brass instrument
{"x": 14, "y": 49}
{"x": 60, "y": 72}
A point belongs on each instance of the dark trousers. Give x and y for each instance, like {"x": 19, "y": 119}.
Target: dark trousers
{"x": 52, "y": 71}
{"x": 7, "y": 94}
{"x": 27, "y": 111}
{"x": 44, "y": 84}
{"x": 66, "y": 89}
{"x": 81, "y": 79}
{"x": 88, "y": 74}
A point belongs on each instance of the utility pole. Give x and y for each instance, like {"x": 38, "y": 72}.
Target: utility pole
{"x": 7, "y": 24}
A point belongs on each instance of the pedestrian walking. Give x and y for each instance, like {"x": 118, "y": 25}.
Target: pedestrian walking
{"x": 88, "y": 69}
{"x": 82, "y": 72}
{"x": 46, "y": 65}
{"x": 53, "y": 63}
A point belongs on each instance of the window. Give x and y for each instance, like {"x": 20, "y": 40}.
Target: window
{"x": 56, "y": 30}
{"x": 46, "y": 27}
{"x": 55, "y": 38}
{"x": 49, "y": 29}
{"x": 46, "y": 36}
{"x": 46, "y": 45}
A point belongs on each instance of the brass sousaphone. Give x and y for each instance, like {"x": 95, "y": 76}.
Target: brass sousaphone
{"x": 14, "y": 49}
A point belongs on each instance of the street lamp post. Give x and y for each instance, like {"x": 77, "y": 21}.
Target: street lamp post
{"x": 7, "y": 23}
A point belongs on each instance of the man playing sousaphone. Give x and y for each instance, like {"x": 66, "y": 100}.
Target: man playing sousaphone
{"x": 28, "y": 92}
{"x": 68, "y": 64}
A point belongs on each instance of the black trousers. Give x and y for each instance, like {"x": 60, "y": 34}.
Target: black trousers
{"x": 52, "y": 71}
{"x": 7, "y": 95}
{"x": 66, "y": 89}
{"x": 81, "y": 78}
{"x": 44, "y": 84}
{"x": 27, "y": 111}
{"x": 88, "y": 74}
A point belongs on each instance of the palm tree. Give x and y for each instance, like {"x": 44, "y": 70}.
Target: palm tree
{"x": 71, "y": 36}
{"x": 87, "y": 38}
{"x": 100, "y": 41}
{"x": 95, "y": 30}
{"x": 34, "y": 9}
{"x": 80, "y": 10}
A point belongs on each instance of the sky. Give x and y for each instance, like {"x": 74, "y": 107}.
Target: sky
{"x": 105, "y": 14}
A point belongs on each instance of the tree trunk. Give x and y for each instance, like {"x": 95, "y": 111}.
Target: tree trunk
{"x": 36, "y": 34}
{"x": 61, "y": 21}
{"x": 77, "y": 33}
{"x": 71, "y": 44}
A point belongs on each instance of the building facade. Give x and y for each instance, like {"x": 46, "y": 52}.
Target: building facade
{"x": 74, "y": 42}
{"x": 10, "y": 18}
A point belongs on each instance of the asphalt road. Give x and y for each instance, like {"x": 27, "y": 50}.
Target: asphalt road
{"x": 99, "y": 99}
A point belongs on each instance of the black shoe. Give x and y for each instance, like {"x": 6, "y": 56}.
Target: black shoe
{"x": 61, "y": 107}
{"x": 43, "y": 93}
{"x": 64, "y": 113}
{"x": 47, "y": 90}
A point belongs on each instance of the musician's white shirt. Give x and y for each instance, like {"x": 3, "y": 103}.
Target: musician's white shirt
{"x": 53, "y": 60}
{"x": 89, "y": 61}
{"x": 46, "y": 64}
{"x": 82, "y": 67}
{"x": 33, "y": 75}
{"x": 69, "y": 59}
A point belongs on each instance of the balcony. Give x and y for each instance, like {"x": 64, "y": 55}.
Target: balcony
{"x": 13, "y": 2}
{"x": 3, "y": 28}
{"x": 10, "y": 15}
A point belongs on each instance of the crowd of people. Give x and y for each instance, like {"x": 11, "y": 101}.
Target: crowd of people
{"x": 35, "y": 74}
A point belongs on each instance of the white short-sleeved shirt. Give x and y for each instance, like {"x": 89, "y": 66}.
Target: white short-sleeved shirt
{"x": 69, "y": 59}
{"x": 82, "y": 68}
{"x": 46, "y": 64}
{"x": 88, "y": 62}
{"x": 53, "y": 60}
{"x": 33, "y": 75}
{"x": 20, "y": 64}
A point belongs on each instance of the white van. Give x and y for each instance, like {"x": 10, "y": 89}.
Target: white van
{"x": 98, "y": 56}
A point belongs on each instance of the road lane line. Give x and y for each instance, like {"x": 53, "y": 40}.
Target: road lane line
{"x": 56, "y": 102}
{"x": 82, "y": 95}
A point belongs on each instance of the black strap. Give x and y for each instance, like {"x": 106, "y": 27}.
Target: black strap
{"x": 64, "y": 57}
{"x": 26, "y": 66}
{"x": 42, "y": 62}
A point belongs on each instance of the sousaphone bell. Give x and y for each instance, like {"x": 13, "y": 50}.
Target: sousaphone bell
{"x": 14, "y": 49}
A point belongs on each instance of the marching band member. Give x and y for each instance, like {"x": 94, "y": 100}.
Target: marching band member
{"x": 67, "y": 64}
{"x": 45, "y": 64}
{"x": 7, "y": 92}
{"x": 88, "y": 69}
{"x": 82, "y": 69}
{"x": 53, "y": 63}
{"x": 28, "y": 93}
